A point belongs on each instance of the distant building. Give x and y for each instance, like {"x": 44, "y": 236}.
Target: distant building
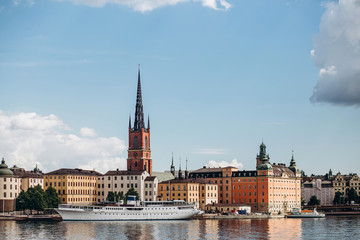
{"x": 29, "y": 179}
{"x": 199, "y": 191}
{"x": 76, "y": 186}
{"x": 223, "y": 207}
{"x": 121, "y": 181}
{"x": 270, "y": 188}
{"x": 319, "y": 187}
{"x": 343, "y": 183}
{"x": 9, "y": 188}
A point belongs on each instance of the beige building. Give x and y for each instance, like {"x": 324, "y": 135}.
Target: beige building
{"x": 29, "y": 179}
{"x": 343, "y": 183}
{"x": 9, "y": 188}
{"x": 121, "y": 181}
{"x": 198, "y": 191}
{"x": 73, "y": 185}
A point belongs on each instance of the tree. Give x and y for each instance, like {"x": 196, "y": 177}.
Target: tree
{"x": 303, "y": 202}
{"x": 110, "y": 197}
{"x": 52, "y": 198}
{"x": 337, "y": 198}
{"x": 352, "y": 196}
{"x": 314, "y": 201}
{"x": 22, "y": 201}
{"x": 133, "y": 192}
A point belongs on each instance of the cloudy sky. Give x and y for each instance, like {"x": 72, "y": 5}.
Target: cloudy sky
{"x": 218, "y": 77}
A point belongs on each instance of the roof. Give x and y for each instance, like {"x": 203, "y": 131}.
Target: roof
{"x": 210, "y": 170}
{"x": 163, "y": 176}
{"x": 148, "y": 179}
{"x": 4, "y": 170}
{"x": 280, "y": 169}
{"x": 191, "y": 180}
{"x": 20, "y": 172}
{"x": 124, "y": 172}
{"x": 76, "y": 171}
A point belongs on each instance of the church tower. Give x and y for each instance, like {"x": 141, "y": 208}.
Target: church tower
{"x": 139, "y": 153}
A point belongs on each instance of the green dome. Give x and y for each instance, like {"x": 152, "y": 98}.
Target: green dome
{"x": 265, "y": 166}
{"x": 4, "y": 170}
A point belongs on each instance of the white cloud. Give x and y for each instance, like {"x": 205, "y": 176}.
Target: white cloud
{"x": 27, "y": 139}
{"x": 210, "y": 151}
{"x": 87, "y": 132}
{"x": 336, "y": 54}
{"x": 149, "y": 5}
{"x": 233, "y": 163}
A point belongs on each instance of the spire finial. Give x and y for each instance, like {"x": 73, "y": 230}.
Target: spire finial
{"x": 180, "y": 163}
{"x": 139, "y": 114}
{"x": 186, "y": 163}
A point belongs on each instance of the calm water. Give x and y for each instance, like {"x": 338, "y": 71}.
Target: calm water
{"x": 329, "y": 228}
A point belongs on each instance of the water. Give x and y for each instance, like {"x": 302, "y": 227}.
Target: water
{"x": 329, "y": 228}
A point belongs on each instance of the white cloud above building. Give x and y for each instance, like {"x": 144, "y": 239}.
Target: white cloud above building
{"x": 27, "y": 139}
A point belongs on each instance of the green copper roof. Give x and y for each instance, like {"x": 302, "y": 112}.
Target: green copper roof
{"x": 4, "y": 170}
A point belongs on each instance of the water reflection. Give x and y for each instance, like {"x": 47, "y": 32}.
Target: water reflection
{"x": 329, "y": 228}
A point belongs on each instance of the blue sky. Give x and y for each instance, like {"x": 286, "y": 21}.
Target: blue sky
{"x": 217, "y": 78}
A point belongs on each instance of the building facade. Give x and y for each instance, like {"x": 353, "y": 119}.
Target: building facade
{"x": 121, "y": 181}
{"x": 75, "y": 186}
{"x": 270, "y": 188}
{"x": 321, "y": 188}
{"x": 139, "y": 153}
{"x": 343, "y": 183}
{"x": 29, "y": 179}
{"x": 10, "y": 186}
{"x": 198, "y": 191}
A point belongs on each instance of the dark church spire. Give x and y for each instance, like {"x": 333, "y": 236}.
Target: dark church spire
{"x": 139, "y": 113}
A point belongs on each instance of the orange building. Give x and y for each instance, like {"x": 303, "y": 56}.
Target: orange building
{"x": 271, "y": 188}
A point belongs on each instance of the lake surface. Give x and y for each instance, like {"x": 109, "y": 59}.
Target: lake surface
{"x": 328, "y": 228}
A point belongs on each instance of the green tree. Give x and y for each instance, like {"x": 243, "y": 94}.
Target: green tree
{"x": 22, "y": 201}
{"x": 352, "y": 196}
{"x": 110, "y": 197}
{"x": 314, "y": 201}
{"x": 337, "y": 198}
{"x": 133, "y": 192}
{"x": 303, "y": 202}
{"x": 52, "y": 198}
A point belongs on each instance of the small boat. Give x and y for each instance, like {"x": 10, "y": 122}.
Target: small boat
{"x": 297, "y": 213}
{"x": 133, "y": 210}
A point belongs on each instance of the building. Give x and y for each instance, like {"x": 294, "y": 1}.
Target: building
{"x": 270, "y": 188}
{"x": 223, "y": 207}
{"x": 29, "y": 179}
{"x": 139, "y": 153}
{"x": 321, "y": 188}
{"x": 343, "y": 183}
{"x": 121, "y": 181}
{"x": 9, "y": 188}
{"x": 222, "y": 177}
{"x": 198, "y": 191}
{"x": 76, "y": 186}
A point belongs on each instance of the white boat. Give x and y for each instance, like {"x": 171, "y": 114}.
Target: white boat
{"x": 297, "y": 213}
{"x": 161, "y": 210}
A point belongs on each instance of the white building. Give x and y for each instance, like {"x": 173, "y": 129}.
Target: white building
{"x": 121, "y": 181}
{"x": 9, "y": 188}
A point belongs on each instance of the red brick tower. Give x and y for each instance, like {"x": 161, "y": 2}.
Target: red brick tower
{"x": 139, "y": 153}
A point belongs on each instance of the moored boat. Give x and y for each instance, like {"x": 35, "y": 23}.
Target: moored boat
{"x": 151, "y": 210}
{"x": 297, "y": 213}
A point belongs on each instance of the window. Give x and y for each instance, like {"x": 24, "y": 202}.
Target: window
{"x": 146, "y": 142}
{"x": 136, "y": 144}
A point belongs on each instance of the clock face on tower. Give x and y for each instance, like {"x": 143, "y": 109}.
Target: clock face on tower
{"x": 135, "y": 154}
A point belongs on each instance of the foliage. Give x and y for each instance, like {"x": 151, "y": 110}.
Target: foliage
{"x": 314, "y": 201}
{"x": 111, "y": 197}
{"x": 37, "y": 199}
{"x": 303, "y": 202}
{"x": 133, "y": 192}
{"x": 352, "y": 196}
{"x": 303, "y": 173}
{"x": 337, "y": 198}
{"x": 52, "y": 197}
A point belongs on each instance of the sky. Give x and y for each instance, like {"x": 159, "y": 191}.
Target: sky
{"x": 218, "y": 78}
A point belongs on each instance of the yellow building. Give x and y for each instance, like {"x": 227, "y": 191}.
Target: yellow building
{"x": 198, "y": 191}
{"x": 343, "y": 183}
{"x": 73, "y": 185}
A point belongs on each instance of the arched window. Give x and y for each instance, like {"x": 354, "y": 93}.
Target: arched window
{"x": 146, "y": 143}
{"x": 135, "y": 164}
{"x": 136, "y": 144}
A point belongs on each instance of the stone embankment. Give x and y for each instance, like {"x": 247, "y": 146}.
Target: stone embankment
{"x": 206, "y": 216}
{"x": 53, "y": 217}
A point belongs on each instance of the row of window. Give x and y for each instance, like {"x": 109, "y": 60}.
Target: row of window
{"x": 5, "y": 186}
{"x": 11, "y": 195}
{"x": 70, "y": 177}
